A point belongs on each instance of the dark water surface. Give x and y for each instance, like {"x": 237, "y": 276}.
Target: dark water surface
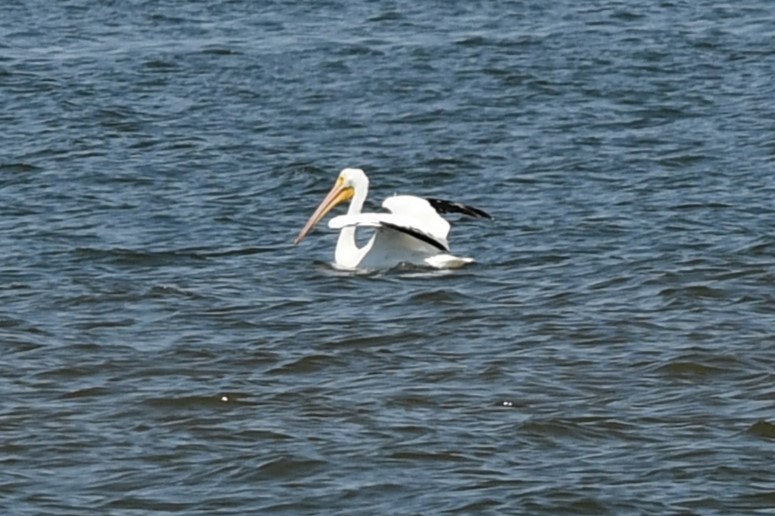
{"x": 165, "y": 349}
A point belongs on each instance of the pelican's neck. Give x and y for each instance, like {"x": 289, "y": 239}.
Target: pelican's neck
{"x": 348, "y": 254}
{"x": 359, "y": 197}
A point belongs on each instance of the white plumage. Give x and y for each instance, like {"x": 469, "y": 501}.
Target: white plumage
{"x": 413, "y": 232}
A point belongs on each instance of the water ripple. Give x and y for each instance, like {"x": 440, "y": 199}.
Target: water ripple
{"x": 169, "y": 350}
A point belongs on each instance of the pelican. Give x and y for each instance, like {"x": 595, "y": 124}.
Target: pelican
{"x": 414, "y": 232}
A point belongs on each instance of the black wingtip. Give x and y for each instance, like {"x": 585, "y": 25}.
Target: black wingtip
{"x": 442, "y": 206}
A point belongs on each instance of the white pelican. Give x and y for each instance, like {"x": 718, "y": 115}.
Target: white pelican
{"x": 413, "y": 232}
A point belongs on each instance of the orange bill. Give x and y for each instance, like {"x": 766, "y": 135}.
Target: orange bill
{"x": 338, "y": 194}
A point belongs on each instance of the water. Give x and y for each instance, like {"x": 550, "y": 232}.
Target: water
{"x": 167, "y": 350}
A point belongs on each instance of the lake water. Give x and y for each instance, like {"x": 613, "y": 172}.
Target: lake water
{"x": 167, "y": 350}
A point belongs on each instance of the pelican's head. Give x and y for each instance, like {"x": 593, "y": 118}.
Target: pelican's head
{"x": 344, "y": 189}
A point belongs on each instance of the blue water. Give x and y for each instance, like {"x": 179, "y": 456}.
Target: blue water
{"x": 167, "y": 350}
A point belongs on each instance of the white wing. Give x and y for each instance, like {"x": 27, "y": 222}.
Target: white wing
{"x": 424, "y": 216}
{"x": 394, "y": 231}
{"x": 415, "y": 232}
{"x": 413, "y": 225}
